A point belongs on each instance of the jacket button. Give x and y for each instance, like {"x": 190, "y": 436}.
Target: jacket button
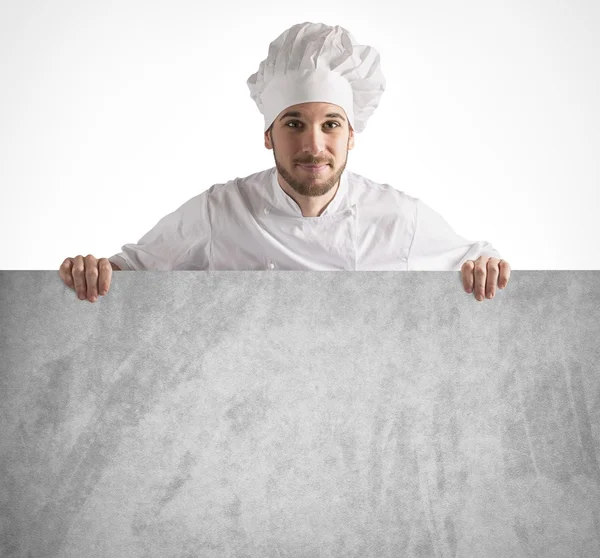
{"x": 272, "y": 265}
{"x": 267, "y": 210}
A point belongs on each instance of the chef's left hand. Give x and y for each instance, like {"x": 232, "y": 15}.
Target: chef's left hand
{"x": 483, "y": 273}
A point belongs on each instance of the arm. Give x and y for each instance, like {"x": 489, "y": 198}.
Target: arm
{"x": 178, "y": 241}
{"x": 436, "y": 247}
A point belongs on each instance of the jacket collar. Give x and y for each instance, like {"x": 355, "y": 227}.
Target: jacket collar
{"x": 284, "y": 203}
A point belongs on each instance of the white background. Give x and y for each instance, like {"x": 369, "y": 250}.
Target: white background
{"x": 113, "y": 114}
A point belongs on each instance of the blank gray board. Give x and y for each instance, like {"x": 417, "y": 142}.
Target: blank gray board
{"x": 300, "y": 414}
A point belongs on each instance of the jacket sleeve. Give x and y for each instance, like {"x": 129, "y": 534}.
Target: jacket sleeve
{"x": 179, "y": 241}
{"x": 436, "y": 247}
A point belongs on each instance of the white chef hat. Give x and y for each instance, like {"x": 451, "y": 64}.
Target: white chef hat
{"x": 314, "y": 62}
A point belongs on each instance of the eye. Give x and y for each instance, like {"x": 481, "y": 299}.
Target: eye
{"x": 337, "y": 125}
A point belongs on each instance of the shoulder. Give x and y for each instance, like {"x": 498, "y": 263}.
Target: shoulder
{"x": 238, "y": 185}
{"x": 365, "y": 191}
{"x": 223, "y": 192}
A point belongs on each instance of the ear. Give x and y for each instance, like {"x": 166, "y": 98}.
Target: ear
{"x": 351, "y": 139}
{"x": 268, "y": 143}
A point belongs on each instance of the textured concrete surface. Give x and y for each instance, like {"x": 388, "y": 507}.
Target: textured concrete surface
{"x": 300, "y": 414}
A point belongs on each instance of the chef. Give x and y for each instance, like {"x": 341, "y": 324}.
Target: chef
{"x": 316, "y": 88}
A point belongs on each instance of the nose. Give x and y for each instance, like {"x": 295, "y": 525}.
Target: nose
{"x": 313, "y": 147}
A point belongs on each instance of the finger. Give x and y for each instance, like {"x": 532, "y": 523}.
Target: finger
{"x": 79, "y": 277}
{"x": 91, "y": 277}
{"x": 504, "y": 274}
{"x": 64, "y": 272}
{"x": 492, "y": 277}
{"x": 105, "y": 275}
{"x": 480, "y": 273}
{"x": 467, "y": 275}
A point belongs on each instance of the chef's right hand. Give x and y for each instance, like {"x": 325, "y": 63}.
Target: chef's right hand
{"x": 87, "y": 276}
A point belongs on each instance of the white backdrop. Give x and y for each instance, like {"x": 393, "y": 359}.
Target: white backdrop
{"x": 113, "y": 114}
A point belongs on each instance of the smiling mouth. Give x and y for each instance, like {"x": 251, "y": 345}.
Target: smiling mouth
{"x": 314, "y": 168}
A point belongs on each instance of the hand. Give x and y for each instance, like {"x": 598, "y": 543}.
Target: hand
{"x": 484, "y": 272}
{"x": 87, "y": 276}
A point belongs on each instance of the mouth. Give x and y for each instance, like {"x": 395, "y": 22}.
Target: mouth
{"x": 314, "y": 168}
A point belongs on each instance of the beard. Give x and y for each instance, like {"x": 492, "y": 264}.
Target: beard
{"x": 306, "y": 184}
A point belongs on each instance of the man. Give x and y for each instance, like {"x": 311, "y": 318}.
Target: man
{"x": 316, "y": 89}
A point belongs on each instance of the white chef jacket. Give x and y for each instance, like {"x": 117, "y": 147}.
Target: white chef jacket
{"x": 251, "y": 223}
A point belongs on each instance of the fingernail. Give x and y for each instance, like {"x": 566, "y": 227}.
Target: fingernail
{"x": 93, "y": 299}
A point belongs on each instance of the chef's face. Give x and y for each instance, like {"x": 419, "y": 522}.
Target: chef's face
{"x": 310, "y": 134}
